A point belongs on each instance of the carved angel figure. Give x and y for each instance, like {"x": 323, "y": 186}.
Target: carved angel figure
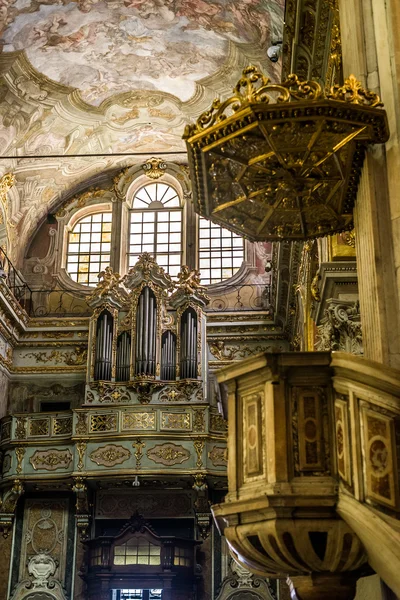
{"x": 108, "y": 280}
{"x": 189, "y": 280}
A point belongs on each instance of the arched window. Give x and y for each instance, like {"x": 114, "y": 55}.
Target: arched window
{"x": 156, "y": 226}
{"x": 221, "y": 252}
{"x": 89, "y": 247}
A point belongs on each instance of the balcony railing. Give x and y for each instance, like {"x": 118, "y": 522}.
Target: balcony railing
{"x": 15, "y": 283}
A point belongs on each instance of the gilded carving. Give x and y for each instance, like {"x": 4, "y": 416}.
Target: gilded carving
{"x": 224, "y": 352}
{"x": 168, "y": 454}
{"x": 62, "y": 426}
{"x": 139, "y": 447}
{"x": 218, "y": 456}
{"x": 19, "y": 453}
{"x": 218, "y": 423}
{"x": 199, "y": 447}
{"x": 110, "y": 455}
{"x": 81, "y": 424}
{"x": 199, "y": 424}
{"x": 108, "y": 285}
{"x": 78, "y": 356}
{"x": 154, "y": 168}
{"x": 51, "y": 460}
{"x": 20, "y": 428}
{"x": 137, "y": 420}
{"x": 39, "y": 427}
{"x": 103, "y": 422}
{"x": 81, "y": 449}
{"x": 175, "y": 420}
{"x": 108, "y": 394}
{"x": 81, "y": 200}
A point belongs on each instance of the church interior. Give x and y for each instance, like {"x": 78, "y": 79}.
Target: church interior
{"x": 199, "y": 300}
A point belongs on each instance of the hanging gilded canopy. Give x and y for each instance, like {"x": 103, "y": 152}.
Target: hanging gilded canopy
{"x": 283, "y": 161}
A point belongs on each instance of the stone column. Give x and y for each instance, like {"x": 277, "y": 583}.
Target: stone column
{"x": 371, "y": 51}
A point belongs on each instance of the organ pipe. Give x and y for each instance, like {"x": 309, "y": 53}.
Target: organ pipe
{"x": 146, "y": 333}
{"x": 188, "y": 362}
{"x": 168, "y": 354}
{"x": 123, "y": 356}
{"x": 103, "y": 354}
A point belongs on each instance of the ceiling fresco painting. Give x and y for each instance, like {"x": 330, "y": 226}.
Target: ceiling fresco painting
{"x": 100, "y": 77}
{"x": 104, "y": 48}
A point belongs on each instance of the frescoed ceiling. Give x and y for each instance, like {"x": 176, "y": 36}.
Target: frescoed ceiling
{"x": 103, "y": 76}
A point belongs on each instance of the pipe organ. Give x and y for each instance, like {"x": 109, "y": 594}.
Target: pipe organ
{"x": 146, "y": 334}
{"x": 104, "y": 342}
{"x": 146, "y": 328}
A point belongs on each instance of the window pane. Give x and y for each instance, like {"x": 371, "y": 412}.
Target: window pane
{"x": 86, "y": 255}
{"x": 157, "y": 231}
{"x": 221, "y": 252}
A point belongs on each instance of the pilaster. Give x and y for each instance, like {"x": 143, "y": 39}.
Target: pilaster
{"x": 368, "y": 42}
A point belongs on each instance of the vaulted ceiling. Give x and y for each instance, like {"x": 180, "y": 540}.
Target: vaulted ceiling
{"x": 105, "y": 76}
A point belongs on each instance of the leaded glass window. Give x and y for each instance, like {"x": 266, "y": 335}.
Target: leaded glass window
{"x": 137, "y": 551}
{"x": 89, "y": 247}
{"x": 156, "y": 226}
{"x": 221, "y": 252}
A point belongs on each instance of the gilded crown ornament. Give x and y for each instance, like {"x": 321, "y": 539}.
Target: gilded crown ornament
{"x": 283, "y": 161}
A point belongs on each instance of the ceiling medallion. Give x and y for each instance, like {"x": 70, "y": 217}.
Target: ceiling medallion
{"x": 154, "y": 168}
{"x": 283, "y": 161}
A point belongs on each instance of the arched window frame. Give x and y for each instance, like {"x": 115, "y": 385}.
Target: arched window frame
{"x": 66, "y": 224}
{"x": 141, "y": 184}
{"x": 119, "y": 202}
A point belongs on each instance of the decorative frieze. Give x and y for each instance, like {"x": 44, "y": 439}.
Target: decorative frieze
{"x": 110, "y": 455}
{"x": 62, "y": 426}
{"x": 175, "y": 420}
{"x": 138, "y": 420}
{"x": 218, "y": 423}
{"x": 168, "y": 454}
{"x": 218, "y": 456}
{"x": 51, "y": 460}
{"x": 103, "y": 422}
{"x": 39, "y": 427}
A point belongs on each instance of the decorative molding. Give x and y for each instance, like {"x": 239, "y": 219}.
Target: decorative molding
{"x": 218, "y": 456}
{"x": 51, "y": 460}
{"x": 110, "y": 455}
{"x": 168, "y": 454}
{"x": 340, "y": 327}
{"x": 175, "y": 421}
{"x": 154, "y": 168}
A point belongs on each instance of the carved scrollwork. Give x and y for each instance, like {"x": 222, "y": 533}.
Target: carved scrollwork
{"x": 340, "y": 328}
{"x": 110, "y": 455}
{"x": 168, "y": 454}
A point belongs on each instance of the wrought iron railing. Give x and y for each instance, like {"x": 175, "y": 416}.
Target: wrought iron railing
{"x": 14, "y": 281}
{"x": 65, "y": 302}
{"x": 49, "y": 302}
